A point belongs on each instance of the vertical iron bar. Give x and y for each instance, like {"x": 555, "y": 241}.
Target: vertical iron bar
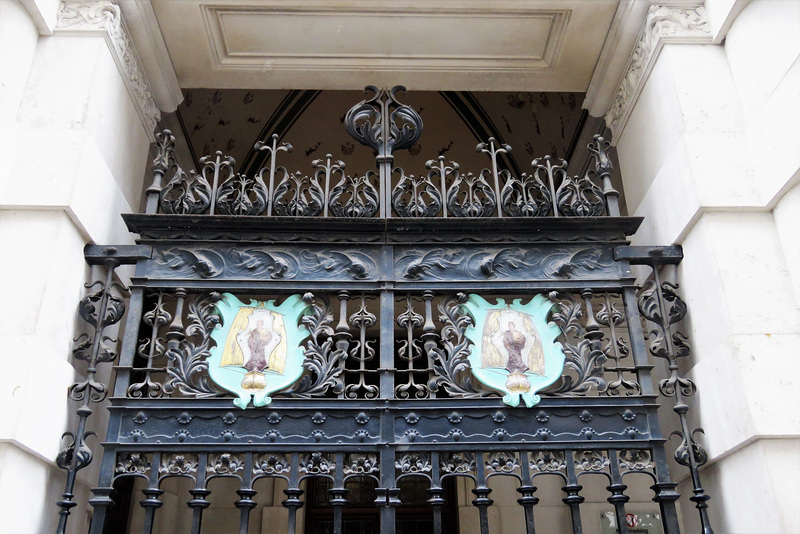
{"x": 481, "y": 491}
{"x": 337, "y": 493}
{"x": 526, "y": 490}
{"x": 572, "y": 489}
{"x": 694, "y": 455}
{"x": 665, "y": 491}
{"x": 387, "y": 331}
{"x": 442, "y": 175}
{"x": 246, "y": 494}
{"x": 293, "y": 493}
{"x": 617, "y": 489}
{"x": 199, "y": 494}
{"x": 102, "y": 500}
{"x": 436, "y": 493}
{"x": 78, "y": 455}
{"x": 127, "y": 351}
{"x": 165, "y": 146}
{"x": 342, "y": 334}
{"x": 215, "y": 184}
{"x": 326, "y": 195}
{"x": 151, "y": 502}
{"x": 636, "y": 336}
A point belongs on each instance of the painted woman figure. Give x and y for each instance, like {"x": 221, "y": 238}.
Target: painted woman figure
{"x": 514, "y": 342}
{"x": 257, "y": 341}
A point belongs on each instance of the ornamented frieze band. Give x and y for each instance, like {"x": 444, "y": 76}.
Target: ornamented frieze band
{"x": 105, "y": 17}
{"x": 664, "y": 24}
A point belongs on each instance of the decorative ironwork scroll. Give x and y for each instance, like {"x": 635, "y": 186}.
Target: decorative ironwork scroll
{"x": 324, "y": 363}
{"x": 663, "y": 309}
{"x": 102, "y": 308}
{"x": 451, "y": 361}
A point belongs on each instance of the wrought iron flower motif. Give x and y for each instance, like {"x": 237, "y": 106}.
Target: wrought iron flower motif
{"x": 133, "y": 462}
{"x": 362, "y": 418}
{"x": 227, "y": 435}
{"x": 588, "y": 432}
{"x": 179, "y": 464}
{"x": 316, "y": 462}
{"x": 455, "y": 418}
{"x": 628, "y": 415}
{"x": 502, "y": 462}
{"x": 137, "y": 434}
{"x": 140, "y": 418}
{"x": 412, "y": 418}
{"x": 456, "y": 434}
{"x": 499, "y": 417}
{"x": 184, "y": 418}
{"x": 270, "y": 464}
{"x": 585, "y": 416}
{"x": 413, "y": 463}
{"x": 412, "y": 435}
{"x": 500, "y": 434}
{"x": 272, "y": 435}
{"x": 181, "y": 435}
{"x": 274, "y": 418}
{"x": 229, "y": 418}
{"x": 361, "y": 463}
{"x": 544, "y": 434}
{"x": 631, "y": 432}
{"x": 361, "y": 435}
{"x": 318, "y": 435}
{"x": 318, "y": 418}
{"x": 542, "y": 416}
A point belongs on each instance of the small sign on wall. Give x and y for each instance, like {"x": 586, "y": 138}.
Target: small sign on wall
{"x": 638, "y": 523}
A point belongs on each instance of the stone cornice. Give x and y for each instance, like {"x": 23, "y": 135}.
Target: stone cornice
{"x": 104, "y": 17}
{"x": 664, "y": 24}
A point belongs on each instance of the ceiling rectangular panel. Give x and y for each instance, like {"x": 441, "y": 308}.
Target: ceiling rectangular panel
{"x": 479, "y": 45}
{"x": 425, "y": 40}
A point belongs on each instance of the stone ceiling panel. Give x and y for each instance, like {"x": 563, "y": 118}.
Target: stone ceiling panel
{"x": 542, "y": 45}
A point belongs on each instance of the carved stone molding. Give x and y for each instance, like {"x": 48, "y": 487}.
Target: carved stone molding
{"x": 664, "y": 24}
{"x": 103, "y": 17}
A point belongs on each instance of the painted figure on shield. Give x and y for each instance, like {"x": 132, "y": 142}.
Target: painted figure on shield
{"x": 514, "y": 342}
{"x": 257, "y": 342}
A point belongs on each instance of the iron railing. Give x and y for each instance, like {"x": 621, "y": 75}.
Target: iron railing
{"x": 387, "y": 391}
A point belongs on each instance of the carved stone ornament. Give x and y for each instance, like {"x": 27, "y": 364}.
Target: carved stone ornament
{"x": 105, "y": 17}
{"x": 513, "y": 347}
{"x": 664, "y": 24}
{"x": 258, "y": 347}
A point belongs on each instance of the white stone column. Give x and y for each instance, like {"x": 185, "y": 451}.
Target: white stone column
{"x": 708, "y": 137}
{"x": 76, "y": 118}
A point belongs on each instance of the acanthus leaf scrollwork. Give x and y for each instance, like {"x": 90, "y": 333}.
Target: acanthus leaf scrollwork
{"x": 324, "y": 365}
{"x": 450, "y": 362}
{"x": 583, "y": 369}
{"x": 188, "y": 369}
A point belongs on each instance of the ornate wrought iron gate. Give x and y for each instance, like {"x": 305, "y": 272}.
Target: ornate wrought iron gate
{"x": 384, "y": 262}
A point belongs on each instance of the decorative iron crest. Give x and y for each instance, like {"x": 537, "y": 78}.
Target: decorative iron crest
{"x": 382, "y": 122}
{"x": 258, "y": 347}
{"x": 513, "y": 347}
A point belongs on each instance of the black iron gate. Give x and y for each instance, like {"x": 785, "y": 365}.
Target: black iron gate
{"x": 384, "y": 262}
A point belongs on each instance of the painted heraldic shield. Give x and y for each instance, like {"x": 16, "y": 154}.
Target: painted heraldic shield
{"x": 513, "y": 347}
{"x": 258, "y": 348}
